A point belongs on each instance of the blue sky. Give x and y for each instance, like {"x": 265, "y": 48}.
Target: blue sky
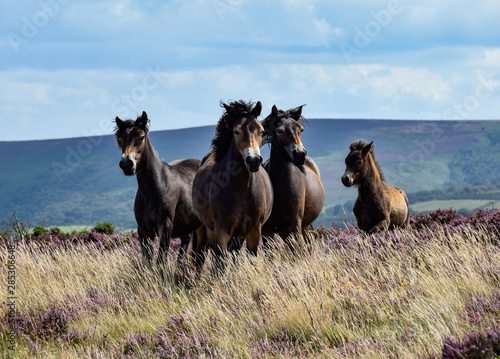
{"x": 68, "y": 67}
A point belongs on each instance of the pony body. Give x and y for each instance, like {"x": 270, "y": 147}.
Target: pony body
{"x": 298, "y": 191}
{"x": 163, "y": 205}
{"x": 378, "y": 207}
{"x": 232, "y": 193}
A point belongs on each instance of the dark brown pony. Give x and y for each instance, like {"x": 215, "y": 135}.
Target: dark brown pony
{"x": 298, "y": 192}
{"x": 378, "y": 207}
{"x": 232, "y": 193}
{"x": 163, "y": 205}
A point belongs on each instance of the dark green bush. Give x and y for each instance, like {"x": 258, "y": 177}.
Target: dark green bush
{"x": 104, "y": 228}
{"x": 39, "y": 230}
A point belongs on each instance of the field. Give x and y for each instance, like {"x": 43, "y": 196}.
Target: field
{"x": 432, "y": 291}
{"x": 466, "y": 205}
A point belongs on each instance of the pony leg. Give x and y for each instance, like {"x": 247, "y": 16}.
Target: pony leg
{"x": 290, "y": 237}
{"x": 407, "y": 222}
{"x": 383, "y": 225}
{"x": 200, "y": 247}
{"x": 269, "y": 239}
{"x": 218, "y": 244}
{"x": 146, "y": 247}
{"x": 253, "y": 240}
{"x": 181, "y": 256}
{"x": 306, "y": 234}
{"x": 235, "y": 244}
{"x": 165, "y": 232}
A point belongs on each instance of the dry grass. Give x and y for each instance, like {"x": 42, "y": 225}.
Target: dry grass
{"x": 361, "y": 299}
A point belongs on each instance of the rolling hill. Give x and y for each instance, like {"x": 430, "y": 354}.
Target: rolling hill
{"x": 78, "y": 182}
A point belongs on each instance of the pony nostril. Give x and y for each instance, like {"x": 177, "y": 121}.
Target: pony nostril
{"x": 298, "y": 157}
{"x": 346, "y": 181}
{"x": 127, "y": 166}
{"x": 253, "y": 162}
{"x": 301, "y": 153}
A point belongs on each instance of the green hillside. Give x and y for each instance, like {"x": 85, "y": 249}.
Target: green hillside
{"x": 78, "y": 182}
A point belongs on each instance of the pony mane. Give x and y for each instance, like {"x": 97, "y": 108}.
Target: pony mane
{"x": 224, "y": 128}
{"x": 358, "y": 145}
{"x": 269, "y": 121}
{"x": 126, "y": 124}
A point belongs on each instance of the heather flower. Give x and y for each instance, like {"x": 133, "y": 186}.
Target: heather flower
{"x": 49, "y": 324}
{"x": 174, "y": 339}
{"x": 278, "y": 344}
{"x": 474, "y": 346}
{"x": 482, "y": 307}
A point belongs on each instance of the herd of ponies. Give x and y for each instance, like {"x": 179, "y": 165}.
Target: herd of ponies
{"x": 232, "y": 195}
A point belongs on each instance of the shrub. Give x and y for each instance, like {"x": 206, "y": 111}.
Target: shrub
{"x": 104, "y": 228}
{"x": 448, "y": 217}
{"x": 39, "y": 230}
{"x": 83, "y": 232}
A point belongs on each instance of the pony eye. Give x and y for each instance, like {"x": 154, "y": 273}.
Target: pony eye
{"x": 279, "y": 132}
{"x": 301, "y": 130}
{"x": 141, "y": 139}
{"x": 236, "y": 133}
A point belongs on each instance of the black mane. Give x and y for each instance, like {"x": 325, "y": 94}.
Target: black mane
{"x": 358, "y": 145}
{"x": 269, "y": 123}
{"x": 224, "y": 128}
{"x": 127, "y": 124}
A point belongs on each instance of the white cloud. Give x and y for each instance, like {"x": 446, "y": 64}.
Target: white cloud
{"x": 91, "y": 58}
{"x": 327, "y": 33}
{"x": 190, "y": 98}
{"x": 410, "y": 82}
{"x": 34, "y": 93}
{"x": 491, "y": 58}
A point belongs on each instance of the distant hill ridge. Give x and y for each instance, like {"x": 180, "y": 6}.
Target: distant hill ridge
{"x": 77, "y": 181}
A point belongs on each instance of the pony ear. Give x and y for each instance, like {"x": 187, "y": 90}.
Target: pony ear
{"x": 296, "y": 113}
{"x": 257, "y": 109}
{"x": 274, "y": 111}
{"x": 119, "y": 123}
{"x": 367, "y": 149}
{"x": 226, "y": 106}
{"x": 143, "y": 121}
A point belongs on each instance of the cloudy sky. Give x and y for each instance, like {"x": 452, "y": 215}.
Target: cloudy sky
{"x": 68, "y": 67}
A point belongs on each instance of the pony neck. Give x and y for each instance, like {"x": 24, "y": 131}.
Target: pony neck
{"x": 278, "y": 154}
{"x": 372, "y": 181}
{"x": 149, "y": 168}
{"x": 227, "y": 163}
{"x": 232, "y": 154}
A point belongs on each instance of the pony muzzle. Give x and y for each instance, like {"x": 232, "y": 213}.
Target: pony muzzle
{"x": 298, "y": 154}
{"x": 128, "y": 164}
{"x": 253, "y": 159}
{"x": 347, "y": 180}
